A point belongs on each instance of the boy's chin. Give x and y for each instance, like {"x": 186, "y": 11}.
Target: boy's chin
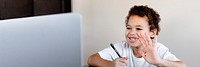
{"x": 134, "y": 44}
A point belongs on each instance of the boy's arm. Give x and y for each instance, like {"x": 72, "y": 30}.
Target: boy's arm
{"x": 166, "y": 63}
{"x": 96, "y": 60}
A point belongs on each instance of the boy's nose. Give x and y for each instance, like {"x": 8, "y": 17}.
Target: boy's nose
{"x": 133, "y": 32}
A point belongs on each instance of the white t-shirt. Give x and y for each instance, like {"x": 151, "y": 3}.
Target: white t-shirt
{"x": 125, "y": 50}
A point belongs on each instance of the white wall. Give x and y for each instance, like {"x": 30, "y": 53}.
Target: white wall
{"x": 103, "y": 23}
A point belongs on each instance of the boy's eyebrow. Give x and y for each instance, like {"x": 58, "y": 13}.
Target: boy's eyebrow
{"x": 127, "y": 25}
{"x": 135, "y": 25}
{"x": 138, "y": 25}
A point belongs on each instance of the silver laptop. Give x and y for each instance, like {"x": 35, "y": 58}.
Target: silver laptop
{"x": 41, "y": 41}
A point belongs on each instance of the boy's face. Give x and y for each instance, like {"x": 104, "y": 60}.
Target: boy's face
{"x": 136, "y": 25}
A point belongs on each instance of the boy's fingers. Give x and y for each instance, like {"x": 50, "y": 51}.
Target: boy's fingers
{"x": 122, "y": 61}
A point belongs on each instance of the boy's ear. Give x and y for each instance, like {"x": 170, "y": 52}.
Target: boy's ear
{"x": 153, "y": 33}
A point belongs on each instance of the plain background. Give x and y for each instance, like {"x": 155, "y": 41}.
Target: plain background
{"x": 103, "y": 23}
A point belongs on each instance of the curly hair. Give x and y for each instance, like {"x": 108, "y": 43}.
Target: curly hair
{"x": 153, "y": 16}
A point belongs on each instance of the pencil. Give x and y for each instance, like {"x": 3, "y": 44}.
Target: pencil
{"x": 115, "y": 50}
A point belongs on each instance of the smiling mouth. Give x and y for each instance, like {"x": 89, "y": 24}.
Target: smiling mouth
{"x": 132, "y": 39}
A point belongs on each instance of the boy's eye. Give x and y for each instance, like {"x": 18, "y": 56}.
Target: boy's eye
{"x": 138, "y": 28}
{"x": 128, "y": 28}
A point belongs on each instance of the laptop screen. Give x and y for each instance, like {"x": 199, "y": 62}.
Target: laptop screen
{"x": 41, "y": 41}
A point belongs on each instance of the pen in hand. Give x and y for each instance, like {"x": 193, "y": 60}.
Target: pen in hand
{"x": 115, "y": 50}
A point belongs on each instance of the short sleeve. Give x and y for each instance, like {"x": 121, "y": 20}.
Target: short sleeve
{"x": 165, "y": 53}
{"x": 169, "y": 56}
{"x": 106, "y": 53}
{"x": 110, "y": 54}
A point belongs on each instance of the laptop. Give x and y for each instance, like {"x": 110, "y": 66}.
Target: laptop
{"x": 41, "y": 41}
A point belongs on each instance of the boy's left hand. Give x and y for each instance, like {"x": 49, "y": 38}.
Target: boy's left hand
{"x": 149, "y": 50}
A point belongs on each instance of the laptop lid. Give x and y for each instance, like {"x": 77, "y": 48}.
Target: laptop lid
{"x": 41, "y": 41}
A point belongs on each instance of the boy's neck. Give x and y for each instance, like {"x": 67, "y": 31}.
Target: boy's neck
{"x": 136, "y": 51}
